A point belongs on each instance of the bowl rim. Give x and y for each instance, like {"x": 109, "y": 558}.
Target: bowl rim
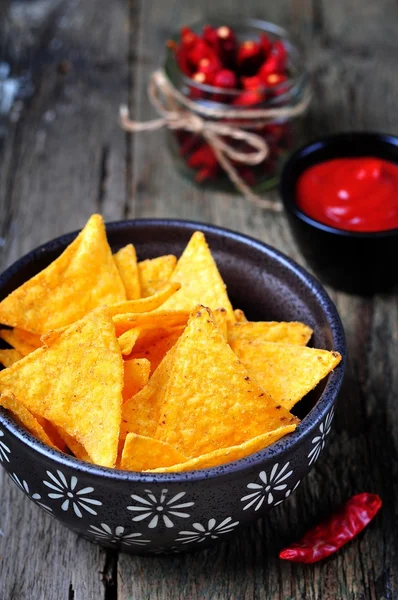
{"x": 312, "y": 148}
{"x": 309, "y": 423}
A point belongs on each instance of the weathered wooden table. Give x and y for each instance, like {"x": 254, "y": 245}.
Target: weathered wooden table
{"x": 64, "y": 157}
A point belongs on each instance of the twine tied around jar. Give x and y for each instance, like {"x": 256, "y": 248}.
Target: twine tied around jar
{"x": 179, "y": 112}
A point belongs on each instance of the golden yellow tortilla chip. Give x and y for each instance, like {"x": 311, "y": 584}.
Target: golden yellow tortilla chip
{"x": 128, "y": 339}
{"x": 126, "y": 262}
{"x": 240, "y": 316}
{"x": 82, "y": 278}
{"x": 220, "y": 319}
{"x": 154, "y": 273}
{"x": 148, "y": 304}
{"x": 141, "y": 453}
{"x": 210, "y": 401}
{"x": 269, "y": 331}
{"x": 136, "y": 376}
{"x": 23, "y": 341}
{"x": 9, "y": 357}
{"x": 227, "y": 455}
{"x": 24, "y": 417}
{"x": 153, "y": 320}
{"x": 76, "y": 384}
{"x": 179, "y": 301}
{"x": 287, "y": 372}
{"x": 155, "y": 344}
{"x": 141, "y": 413}
{"x": 52, "y": 433}
{"x": 199, "y": 276}
{"x": 127, "y": 309}
{"x": 74, "y": 446}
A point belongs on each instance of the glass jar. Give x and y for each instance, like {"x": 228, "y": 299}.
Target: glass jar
{"x": 192, "y": 155}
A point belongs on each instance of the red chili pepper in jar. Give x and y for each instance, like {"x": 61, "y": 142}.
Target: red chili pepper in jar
{"x": 210, "y": 36}
{"x": 199, "y": 51}
{"x": 249, "y": 98}
{"x": 209, "y": 66}
{"x": 226, "y": 46}
{"x": 252, "y": 83}
{"x": 188, "y": 38}
{"x": 250, "y": 57}
{"x": 203, "y": 157}
{"x": 340, "y": 528}
{"x": 266, "y": 44}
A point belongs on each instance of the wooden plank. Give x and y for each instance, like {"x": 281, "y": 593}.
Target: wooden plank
{"x": 345, "y": 79}
{"x": 63, "y": 160}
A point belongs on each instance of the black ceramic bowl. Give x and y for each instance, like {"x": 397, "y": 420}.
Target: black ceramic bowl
{"x": 348, "y": 260}
{"x": 156, "y": 513}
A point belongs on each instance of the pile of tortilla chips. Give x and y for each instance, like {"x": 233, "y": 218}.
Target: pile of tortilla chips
{"x": 145, "y": 366}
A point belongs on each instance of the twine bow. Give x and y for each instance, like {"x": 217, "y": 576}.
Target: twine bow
{"x": 179, "y": 112}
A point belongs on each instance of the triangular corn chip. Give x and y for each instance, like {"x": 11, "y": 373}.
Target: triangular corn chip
{"x": 210, "y": 400}
{"x": 9, "y": 357}
{"x": 76, "y": 384}
{"x": 240, "y": 316}
{"x": 155, "y": 344}
{"x": 74, "y": 446}
{"x": 23, "y": 341}
{"x": 220, "y": 319}
{"x": 199, "y": 276}
{"x": 141, "y": 453}
{"x": 227, "y": 455}
{"x": 136, "y": 376}
{"x": 147, "y": 304}
{"x": 128, "y": 339}
{"x": 287, "y": 372}
{"x": 180, "y": 301}
{"x": 24, "y": 417}
{"x": 154, "y": 273}
{"x": 141, "y": 413}
{"x": 126, "y": 262}
{"x": 151, "y": 320}
{"x": 81, "y": 279}
{"x": 269, "y": 331}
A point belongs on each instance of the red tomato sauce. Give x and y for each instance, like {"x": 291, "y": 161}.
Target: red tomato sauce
{"x": 357, "y": 194}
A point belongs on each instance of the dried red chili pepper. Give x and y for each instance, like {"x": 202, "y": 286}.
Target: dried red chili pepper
{"x": 250, "y": 57}
{"x": 209, "y": 66}
{"x": 210, "y": 36}
{"x": 203, "y": 157}
{"x": 266, "y": 44}
{"x": 225, "y": 79}
{"x": 270, "y": 67}
{"x": 226, "y": 46}
{"x": 188, "y": 38}
{"x": 340, "y": 528}
{"x": 248, "y": 98}
{"x": 199, "y": 51}
{"x": 251, "y": 83}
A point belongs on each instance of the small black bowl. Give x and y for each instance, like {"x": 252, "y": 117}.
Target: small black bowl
{"x": 357, "y": 262}
{"x": 152, "y": 513}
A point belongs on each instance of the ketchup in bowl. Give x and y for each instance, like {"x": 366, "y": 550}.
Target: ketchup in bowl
{"x": 355, "y": 194}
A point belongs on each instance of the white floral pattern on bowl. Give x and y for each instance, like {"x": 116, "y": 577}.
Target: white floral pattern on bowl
{"x": 118, "y": 535}
{"x": 4, "y": 449}
{"x": 71, "y": 497}
{"x": 271, "y": 482}
{"x": 159, "y": 509}
{"x": 25, "y": 488}
{"x": 201, "y": 533}
{"x": 319, "y": 441}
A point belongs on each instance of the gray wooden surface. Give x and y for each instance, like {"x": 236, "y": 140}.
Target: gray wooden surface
{"x": 63, "y": 156}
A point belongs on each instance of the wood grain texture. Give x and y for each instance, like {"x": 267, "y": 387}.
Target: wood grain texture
{"x": 64, "y": 157}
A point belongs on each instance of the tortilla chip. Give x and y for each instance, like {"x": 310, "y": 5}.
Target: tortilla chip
{"x": 23, "y": 341}
{"x": 152, "y": 320}
{"x": 76, "y": 383}
{"x": 147, "y": 304}
{"x": 126, "y": 262}
{"x": 271, "y": 331}
{"x": 220, "y": 319}
{"x": 180, "y": 301}
{"x": 240, "y": 316}
{"x": 74, "y": 446}
{"x": 9, "y": 357}
{"x": 141, "y": 413}
{"x": 227, "y": 455}
{"x": 199, "y": 276}
{"x": 286, "y": 372}
{"x": 24, "y": 417}
{"x": 210, "y": 400}
{"x": 53, "y": 433}
{"x": 154, "y": 273}
{"x": 141, "y": 453}
{"x": 81, "y": 279}
{"x": 155, "y": 345}
{"x": 136, "y": 376}
{"x": 128, "y": 339}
